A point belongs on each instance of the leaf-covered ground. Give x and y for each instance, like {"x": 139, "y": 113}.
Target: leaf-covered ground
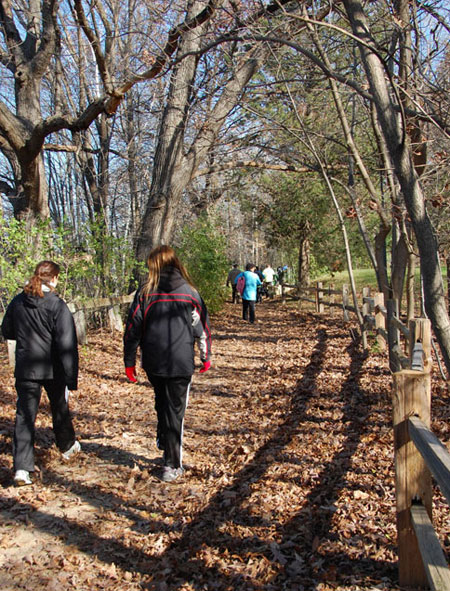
{"x": 289, "y": 471}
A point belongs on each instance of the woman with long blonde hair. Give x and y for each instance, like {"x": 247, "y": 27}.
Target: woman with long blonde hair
{"x": 165, "y": 319}
{"x": 46, "y": 357}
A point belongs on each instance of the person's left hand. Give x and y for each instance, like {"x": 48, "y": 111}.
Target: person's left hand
{"x": 131, "y": 373}
{"x": 206, "y": 366}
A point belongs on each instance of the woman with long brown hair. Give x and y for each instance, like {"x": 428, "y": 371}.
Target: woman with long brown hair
{"x": 46, "y": 357}
{"x": 164, "y": 320}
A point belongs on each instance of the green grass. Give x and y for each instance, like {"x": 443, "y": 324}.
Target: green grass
{"x": 363, "y": 278}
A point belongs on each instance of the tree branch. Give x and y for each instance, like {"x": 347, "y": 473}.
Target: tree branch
{"x": 262, "y": 165}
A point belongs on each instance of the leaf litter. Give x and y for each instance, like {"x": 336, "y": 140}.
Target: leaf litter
{"x": 289, "y": 481}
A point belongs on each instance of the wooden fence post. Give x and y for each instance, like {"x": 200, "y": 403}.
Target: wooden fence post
{"x": 319, "y": 297}
{"x": 80, "y": 326}
{"x": 365, "y": 310}
{"x": 380, "y": 320}
{"x": 420, "y": 332}
{"x": 411, "y": 396}
{"x": 330, "y": 293}
{"x": 115, "y": 319}
{"x": 393, "y": 335}
{"x": 11, "y": 353}
{"x": 345, "y": 301}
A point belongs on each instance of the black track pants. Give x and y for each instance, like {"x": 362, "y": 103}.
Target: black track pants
{"x": 248, "y": 309}
{"x": 28, "y": 398}
{"x": 171, "y": 399}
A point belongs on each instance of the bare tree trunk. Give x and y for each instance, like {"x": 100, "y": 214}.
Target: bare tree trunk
{"x": 410, "y": 284}
{"x": 173, "y": 170}
{"x": 399, "y": 264}
{"x": 303, "y": 261}
{"x": 396, "y": 138}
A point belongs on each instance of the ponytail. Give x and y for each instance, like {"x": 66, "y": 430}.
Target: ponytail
{"x": 44, "y": 272}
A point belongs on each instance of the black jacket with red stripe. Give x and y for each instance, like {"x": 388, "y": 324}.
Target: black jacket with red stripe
{"x": 165, "y": 325}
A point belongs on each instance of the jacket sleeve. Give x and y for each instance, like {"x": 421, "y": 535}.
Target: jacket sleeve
{"x": 133, "y": 331}
{"x": 8, "y": 330}
{"x": 65, "y": 338}
{"x": 202, "y": 331}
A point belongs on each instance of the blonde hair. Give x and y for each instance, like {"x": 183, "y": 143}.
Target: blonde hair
{"x": 160, "y": 257}
{"x": 44, "y": 272}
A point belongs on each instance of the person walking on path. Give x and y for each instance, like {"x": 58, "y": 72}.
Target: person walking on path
{"x": 164, "y": 320}
{"x": 269, "y": 275}
{"x": 234, "y": 272}
{"x": 249, "y": 294}
{"x": 260, "y": 288}
{"x": 46, "y": 356}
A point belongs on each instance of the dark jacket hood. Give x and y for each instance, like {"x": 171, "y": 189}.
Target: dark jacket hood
{"x": 170, "y": 279}
{"x": 32, "y": 301}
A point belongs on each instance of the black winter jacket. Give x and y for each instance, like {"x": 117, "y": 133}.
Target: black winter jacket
{"x": 165, "y": 325}
{"x": 46, "y": 340}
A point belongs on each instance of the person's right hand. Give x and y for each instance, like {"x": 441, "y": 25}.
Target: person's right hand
{"x": 206, "y": 366}
{"x": 131, "y": 373}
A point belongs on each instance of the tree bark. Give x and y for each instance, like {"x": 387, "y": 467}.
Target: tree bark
{"x": 304, "y": 261}
{"x": 399, "y": 148}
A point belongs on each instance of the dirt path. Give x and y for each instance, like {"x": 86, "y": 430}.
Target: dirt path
{"x": 289, "y": 480}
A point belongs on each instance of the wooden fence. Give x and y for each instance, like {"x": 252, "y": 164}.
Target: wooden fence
{"x": 419, "y": 454}
{"x": 111, "y": 306}
{"x": 391, "y": 333}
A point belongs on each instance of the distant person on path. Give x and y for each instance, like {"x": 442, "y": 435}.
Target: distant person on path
{"x": 46, "y": 356}
{"x": 260, "y": 288}
{"x": 280, "y": 275}
{"x": 269, "y": 276}
{"x": 164, "y": 320}
{"x": 234, "y": 272}
{"x": 250, "y": 292}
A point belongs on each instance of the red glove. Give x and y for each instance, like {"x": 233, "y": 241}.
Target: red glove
{"x": 206, "y": 366}
{"x": 131, "y": 373}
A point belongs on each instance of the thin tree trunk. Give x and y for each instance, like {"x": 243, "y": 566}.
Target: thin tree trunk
{"x": 410, "y": 284}
{"x": 303, "y": 261}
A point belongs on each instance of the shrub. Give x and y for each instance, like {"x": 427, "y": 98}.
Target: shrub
{"x": 202, "y": 249}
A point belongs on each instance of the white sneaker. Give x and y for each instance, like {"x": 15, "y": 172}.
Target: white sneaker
{"x": 76, "y": 447}
{"x": 171, "y": 474}
{"x": 22, "y": 478}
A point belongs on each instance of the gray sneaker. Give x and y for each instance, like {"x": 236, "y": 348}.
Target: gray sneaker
{"x": 171, "y": 474}
{"x": 74, "y": 449}
{"x": 22, "y": 478}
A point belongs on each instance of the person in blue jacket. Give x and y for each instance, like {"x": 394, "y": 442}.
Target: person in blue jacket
{"x": 252, "y": 281}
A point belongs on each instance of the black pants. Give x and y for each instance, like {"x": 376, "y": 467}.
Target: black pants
{"x": 171, "y": 400}
{"x": 234, "y": 294}
{"x": 248, "y": 309}
{"x": 28, "y": 399}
